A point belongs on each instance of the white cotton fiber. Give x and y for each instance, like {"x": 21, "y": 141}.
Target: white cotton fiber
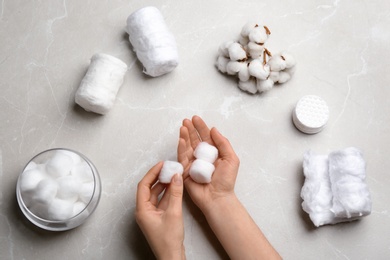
{"x": 264, "y": 85}
{"x": 223, "y": 49}
{"x": 222, "y": 63}
{"x": 243, "y": 74}
{"x": 233, "y": 67}
{"x": 276, "y": 63}
{"x": 60, "y": 209}
{"x": 255, "y": 50}
{"x": 59, "y": 165}
{"x": 30, "y": 179}
{"x": 248, "y": 86}
{"x": 78, "y": 207}
{"x": 351, "y": 197}
{"x": 86, "y": 192}
{"x": 82, "y": 171}
{"x": 201, "y": 171}
{"x": 259, "y": 70}
{"x": 169, "y": 169}
{"x": 45, "y": 191}
{"x": 68, "y": 188}
{"x": 247, "y": 28}
{"x": 206, "y": 152}
{"x": 101, "y": 83}
{"x": 283, "y": 77}
{"x": 236, "y": 52}
{"x": 152, "y": 41}
{"x": 258, "y": 35}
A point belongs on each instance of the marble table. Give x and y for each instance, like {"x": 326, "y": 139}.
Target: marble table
{"x": 342, "y": 49}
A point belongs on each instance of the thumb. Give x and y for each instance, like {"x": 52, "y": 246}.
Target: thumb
{"x": 176, "y": 192}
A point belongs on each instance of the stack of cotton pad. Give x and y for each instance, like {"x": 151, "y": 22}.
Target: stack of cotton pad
{"x": 310, "y": 114}
{"x": 152, "y": 41}
{"x": 335, "y": 189}
{"x": 254, "y": 65}
{"x": 58, "y": 189}
{"x": 203, "y": 168}
{"x": 169, "y": 169}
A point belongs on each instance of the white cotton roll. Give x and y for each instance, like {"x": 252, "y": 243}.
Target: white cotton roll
{"x": 100, "y": 85}
{"x": 60, "y": 209}
{"x": 264, "y": 85}
{"x": 222, "y": 63}
{"x": 45, "y": 191}
{"x": 206, "y": 152}
{"x": 248, "y": 86}
{"x": 201, "y": 171}
{"x": 259, "y": 70}
{"x": 237, "y": 52}
{"x": 169, "y": 169}
{"x": 59, "y": 165}
{"x": 69, "y": 188}
{"x": 152, "y": 41}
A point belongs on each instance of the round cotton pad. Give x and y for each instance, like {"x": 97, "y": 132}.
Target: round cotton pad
{"x": 311, "y": 114}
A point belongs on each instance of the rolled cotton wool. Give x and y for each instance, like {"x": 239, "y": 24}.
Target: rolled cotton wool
{"x": 101, "y": 83}
{"x": 152, "y": 41}
{"x": 169, "y": 169}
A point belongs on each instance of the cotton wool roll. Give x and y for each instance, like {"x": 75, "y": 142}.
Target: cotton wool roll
{"x": 169, "y": 169}
{"x": 201, "y": 171}
{"x": 206, "y": 152}
{"x": 152, "y": 41}
{"x": 248, "y": 86}
{"x": 101, "y": 83}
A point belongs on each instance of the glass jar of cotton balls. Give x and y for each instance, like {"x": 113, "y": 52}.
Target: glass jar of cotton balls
{"x": 58, "y": 189}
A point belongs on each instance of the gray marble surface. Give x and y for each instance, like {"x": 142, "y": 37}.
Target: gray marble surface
{"x": 342, "y": 49}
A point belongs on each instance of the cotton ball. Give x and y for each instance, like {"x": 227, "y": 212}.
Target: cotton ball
{"x": 201, "y": 171}
{"x": 243, "y": 74}
{"x": 82, "y": 171}
{"x": 86, "y": 192}
{"x": 243, "y": 40}
{"x": 233, "y": 67}
{"x": 39, "y": 209}
{"x": 222, "y": 63}
{"x": 206, "y": 152}
{"x": 289, "y": 59}
{"x": 30, "y": 165}
{"x": 237, "y": 52}
{"x": 258, "y": 35}
{"x": 68, "y": 188}
{"x": 60, "y": 209}
{"x": 283, "y": 77}
{"x": 45, "y": 191}
{"x": 169, "y": 169}
{"x": 223, "y": 49}
{"x": 264, "y": 85}
{"x": 277, "y": 63}
{"x": 274, "y": 76}
{"x": 255, "y": 50}
{"x": 248, "y": 86}
{"x": 78, "y": 207}
{"x": 247, "y": 28}
{"x": 258, "y": 70}
{"x": 59, "y": 165}
{"x": 30, "y": 179}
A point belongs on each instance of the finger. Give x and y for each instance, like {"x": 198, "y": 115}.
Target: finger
{"x": 165, "y": 200}
{"x": 145, "y": 185}
{"x": 223, "y": 145}
{"x": 202, "y": 129}
{"x": 156, "y": 191}
{"x": 184, "y": 146}
{"x": 193, "y": 134}
{"x": 176, "y": 194}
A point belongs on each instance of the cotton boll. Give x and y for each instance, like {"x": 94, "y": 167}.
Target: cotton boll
{"x": 237, "y": 52}
{"x": 289, "y": 59}
{"x": 243, "y": 74}
{"x": 248, "y": 86}
{"x": 258, "y": 35}
{"x": 233, "y": 67}
{"x": 276, "y": 63}
{"x": 243, "y": 41}
{"x": 274, "y": 76}
{"x": 86, "y": 192}
{"x": 201, "y": 171}
{"x": 69, "y": 188}
{"x": 78, "y": 207}
{"x": 255, "y": 50}
{"x": 169, "y": 169}
{"x": 223, "y": 49}
{"x": 222, "y": 63}
{"x": 60, "y": 209}
{"x": 258, "y": 70}
{"x": 30, "y": 179}
{"x": 45, "y": 191}
{"x": 82, "y": 171}
{"x": 264, "y": 85}
{"x": 247, "y": 28}
{"x": 283, "y": 77}
{"x": 206, "y": 152}
{"x": 59, "y": 165}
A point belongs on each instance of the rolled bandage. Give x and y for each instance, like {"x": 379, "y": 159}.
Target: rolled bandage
{"x": 169, "y": 169}
{"x": 152, "y": 41}
{"x": 100, "y": 85}
{"x": 203, "y": 168}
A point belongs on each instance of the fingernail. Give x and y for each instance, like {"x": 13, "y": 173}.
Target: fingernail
{"x": 178, "y": 179}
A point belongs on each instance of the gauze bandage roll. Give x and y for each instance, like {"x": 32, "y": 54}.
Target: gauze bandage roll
{"x": 152, "y": 41}
{"x": 169, "y": 169}
{"x": 203, "y": 168}
{"x": 100, "y": 85}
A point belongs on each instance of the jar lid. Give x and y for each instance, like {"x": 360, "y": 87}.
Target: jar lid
{"x": 311, "y": 114}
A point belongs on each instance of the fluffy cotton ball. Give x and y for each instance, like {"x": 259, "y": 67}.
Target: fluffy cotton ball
{"x": 82, "y": 171}
{"x": 288, "y": 58}
{"x": 237, "y": 52}
{"x": 169, "y": 169}
{"x": 264, "y": 85}
{"x": 206, "y": 152}
{"x": 243, "y": 41}
{"x": 222, "y": 63}
{"x": 69, "y": 188}
{"x": 86, "y": 192}
{"x": 30, "y": 179}
{"x": 233, "y": 67}
{"x": 78, "y": 207}
{"x": 258, "y": 70}
{"x": 243, "y": 74}
{"x": 258, "y": 35}
{"x": 223, "y": 49}
{"x": 248, "y": 86}
{"x": 201, "y": 171}
{"x": 59, "y": 165}
{"x": 283, "y": 77}
{"x": 75, "y": 157}
{"x": 255, "y": 50}
{"x": 60, "y": 209}
{"x": 247, "y": 28}
{"x": 277, "y": 63}
{"x": 39, "y": 210}
{"x": 45, "y": 191}
{"x": 30, "y": 165}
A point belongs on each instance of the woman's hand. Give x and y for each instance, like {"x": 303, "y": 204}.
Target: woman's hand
{"x": 161, "y": 221}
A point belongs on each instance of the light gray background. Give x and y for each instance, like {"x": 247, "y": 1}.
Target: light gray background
{"x": 342, "y": 49}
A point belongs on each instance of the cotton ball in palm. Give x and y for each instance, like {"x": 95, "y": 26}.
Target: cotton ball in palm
{"x": 264, "y": 85}
{"x": 248, "y": 86}
{"x": 59, "y": 165}
{"x": 206, "y": 152}
{"x": 60, "y": 209}
{"x": 237, "y": 52}
{"x": 69, "y": 188}
{"x": 222, "y": 63}
{"x": 259, "y": 70}
{"x": 201, "y": 171}
{"x": 169, "y": 169}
